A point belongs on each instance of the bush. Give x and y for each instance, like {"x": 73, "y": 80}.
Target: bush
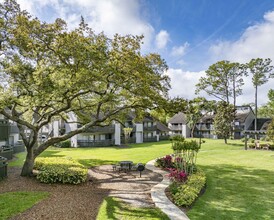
{"x": 185, "y": 194}
{"x": 177, "y": 175}
{"x": 252, "y": 140}
{"x": 65, "y": 144}
{"x": 60, "y": 170}
{"x": 164, "y": 162}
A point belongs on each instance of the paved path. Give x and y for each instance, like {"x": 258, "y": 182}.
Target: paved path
{"x": 129, "y": 187}
{"x": 159, "y": 197}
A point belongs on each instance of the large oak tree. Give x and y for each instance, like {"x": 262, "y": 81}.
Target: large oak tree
{"x": 48, "y": 72}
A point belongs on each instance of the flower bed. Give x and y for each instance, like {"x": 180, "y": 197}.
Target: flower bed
{"x": 187, "y": 180}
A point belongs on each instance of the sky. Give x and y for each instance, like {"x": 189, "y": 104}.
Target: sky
{"x": 190, "y": 35}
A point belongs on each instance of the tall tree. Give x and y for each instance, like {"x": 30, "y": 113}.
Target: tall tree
{"x": 48, "y": 72}
{"x": 216, "y": 83}
{"x": 267, "y": 110}
{"x": 223, "y": 120}
{"x": 260, "y": 70}
{"x": 223, "y": 80}
{"x": 270, "y": 130}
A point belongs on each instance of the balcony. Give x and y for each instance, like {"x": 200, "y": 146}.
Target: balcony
{"x": 95, "y": 143}
{"x": 164, "y": 138}
{"x": 151, "y": 128}
{"x": 98, "y": 129}
{"x": 149, "y": 139}
{"x": 176, "y": 127}
{"x": 131, "y": 140}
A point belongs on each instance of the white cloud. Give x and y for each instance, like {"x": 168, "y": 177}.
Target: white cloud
{"x": 184, "y": 85}
{"x": 256, "y": 41}
{"x": 109, "y": 16}
{"x": 162, "y": 39}
{"x": 180, "y": 51}
{"x": 183, "y": 82}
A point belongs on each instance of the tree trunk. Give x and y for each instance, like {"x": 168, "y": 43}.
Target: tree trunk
{"x": 29, "y": 163}
{"x": 225, "y": 140}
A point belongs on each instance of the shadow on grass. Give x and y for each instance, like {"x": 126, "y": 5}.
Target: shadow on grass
{"x": 96, "y": 162}
{"x": 115, "y": 209}
{"x": 235, "y": 192}
{"x": 236, "y": 144}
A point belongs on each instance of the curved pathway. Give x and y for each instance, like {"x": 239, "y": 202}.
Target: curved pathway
{"x": 159, "y": 197}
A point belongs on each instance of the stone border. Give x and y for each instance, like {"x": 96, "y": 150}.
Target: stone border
{"x": 159, "y": 197}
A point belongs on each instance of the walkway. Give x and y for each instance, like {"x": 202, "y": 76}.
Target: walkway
{"x": 159, "y": 197}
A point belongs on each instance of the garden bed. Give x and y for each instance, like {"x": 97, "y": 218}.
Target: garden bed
{"x": 188, "y": 182}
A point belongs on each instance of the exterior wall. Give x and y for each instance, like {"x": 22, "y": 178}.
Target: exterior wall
{"x": 117, "y": 134}
{"x": 139, "y": 133}
{"x": 179, "y": 129}
{"x": 55, "y": 128}
{"x": 185, "y": 131}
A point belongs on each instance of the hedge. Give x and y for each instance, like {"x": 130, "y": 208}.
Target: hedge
{"x": 185, "y": 194}
{"x": 60, "y": 170}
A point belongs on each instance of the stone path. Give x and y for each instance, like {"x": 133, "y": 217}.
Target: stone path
{"x": 159, "y": 197}
{"x": 129, "y": 187}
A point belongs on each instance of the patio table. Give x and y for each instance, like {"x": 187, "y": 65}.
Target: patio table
{"x": 126, "y": 165}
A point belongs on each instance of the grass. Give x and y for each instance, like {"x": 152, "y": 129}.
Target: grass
{"x": 240, "y": 184}
{"x": 13, "y": 203}
{"x": 113, "y": 208}
{"x": 138, "y": 153}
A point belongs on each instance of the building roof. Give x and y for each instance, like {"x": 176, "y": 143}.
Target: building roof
{"x": 162, "y": 127}
{"x": 262, "y": 124}
{"x": 179, "y": 118}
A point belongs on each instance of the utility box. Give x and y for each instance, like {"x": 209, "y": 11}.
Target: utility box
{"x": 3, "y": 167}
{"x": 6, "y": 151}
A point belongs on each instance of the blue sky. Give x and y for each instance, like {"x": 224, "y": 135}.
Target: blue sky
{"x": 189, "y": 34}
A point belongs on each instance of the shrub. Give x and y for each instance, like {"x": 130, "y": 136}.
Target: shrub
{"x": 177, "y": 175}
{"x": 252, "y": 140}
{"x": 65, "y": 144}
{"x": 185, "y": 194}
{"x": 271, "y": 147}
{"x": 60, "y": 170}
{"x": 165, "y": 162}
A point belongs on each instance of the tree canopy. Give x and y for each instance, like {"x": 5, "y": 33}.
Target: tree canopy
{"x": 223, "y": 81}
{"x": 48, "y": 71}
{"x": 223, "y": 120}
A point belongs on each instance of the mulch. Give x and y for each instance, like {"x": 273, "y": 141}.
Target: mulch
{"x": 82, "y": 201}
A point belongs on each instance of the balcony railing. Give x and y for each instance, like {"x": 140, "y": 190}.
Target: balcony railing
{"x": 95, "y": 143}
{"x": 176, "y": 127}
{"x": 150, "y": 139}
{"x": 164, "y": 138}
{"x": 98, "y": 129}
{"x": 131, "y": 140}
{"x": 151, "y": 128}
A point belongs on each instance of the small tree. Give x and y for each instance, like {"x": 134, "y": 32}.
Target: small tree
{"x": 223, "y": 120}
{"x": 270, "y": 130}
{"x": 185, "y": 153}
{"x": 127, "y": 132}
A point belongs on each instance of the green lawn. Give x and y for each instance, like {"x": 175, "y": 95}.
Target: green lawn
{"x": 240, "y": 184}
{"x": 13, "y": 203}
{"x": 115, "y": 209}
{"x": 106, "y": 155}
